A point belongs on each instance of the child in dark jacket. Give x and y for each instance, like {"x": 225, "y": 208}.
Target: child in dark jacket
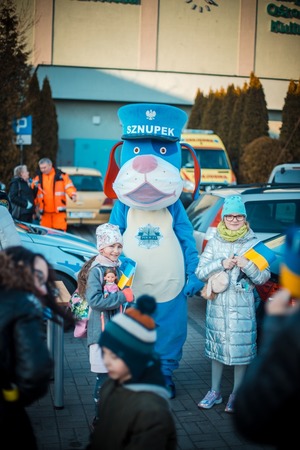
{"x": 134, "y": 400}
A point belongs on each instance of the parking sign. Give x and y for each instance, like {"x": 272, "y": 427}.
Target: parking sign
{"x": 23, "y": 130}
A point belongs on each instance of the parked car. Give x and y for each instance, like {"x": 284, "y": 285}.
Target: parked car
{"x": 64, "y": 251}
{"x": 92, "y": 206}
{"x": 285, "y": 173}
{"x": 270, "y": 210}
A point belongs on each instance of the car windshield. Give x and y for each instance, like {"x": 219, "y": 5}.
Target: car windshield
{"x": 87, "y": 183}
{"x": 29, "y": 228}
{"x": 208, "y": 159}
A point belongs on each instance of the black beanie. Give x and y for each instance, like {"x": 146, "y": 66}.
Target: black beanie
{"x": 132, "y": 335}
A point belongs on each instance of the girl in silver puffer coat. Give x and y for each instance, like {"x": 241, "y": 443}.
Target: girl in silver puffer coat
{"x": 230, "y": 316}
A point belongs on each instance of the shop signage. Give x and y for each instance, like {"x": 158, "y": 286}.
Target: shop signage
{"x": 284, "y": 12}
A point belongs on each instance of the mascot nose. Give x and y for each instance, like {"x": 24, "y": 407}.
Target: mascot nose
{"x": 144, "y": 163}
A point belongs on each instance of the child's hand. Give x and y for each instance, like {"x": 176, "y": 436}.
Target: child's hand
{"x": 128, "y": 294}
{"x": 279, "y": 303}
{"x": 241, "y": 261}
{"x": 229, "y": 263}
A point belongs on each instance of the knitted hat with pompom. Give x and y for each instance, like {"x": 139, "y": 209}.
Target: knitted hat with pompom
{"x": 132, "y": 335}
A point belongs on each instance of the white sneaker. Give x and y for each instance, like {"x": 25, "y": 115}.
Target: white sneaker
{"x": 212, "y": 398}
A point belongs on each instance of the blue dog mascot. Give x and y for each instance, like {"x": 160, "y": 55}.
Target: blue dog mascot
{"x": 157, "y": 233}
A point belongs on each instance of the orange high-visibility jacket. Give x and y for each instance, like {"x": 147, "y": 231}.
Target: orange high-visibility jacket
{"x": 62, "y": 185}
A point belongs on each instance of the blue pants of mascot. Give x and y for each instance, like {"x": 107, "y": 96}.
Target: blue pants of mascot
{"x": 171, "y": 320}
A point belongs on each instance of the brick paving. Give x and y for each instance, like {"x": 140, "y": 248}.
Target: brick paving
{"x": 67, "y": 427}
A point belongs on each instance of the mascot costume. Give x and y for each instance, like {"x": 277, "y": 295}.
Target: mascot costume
{"x": 144, "y": 176}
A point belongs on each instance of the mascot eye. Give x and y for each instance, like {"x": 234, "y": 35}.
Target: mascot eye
{"x": 162, "y": 150}
{"x": 136, "y": 150}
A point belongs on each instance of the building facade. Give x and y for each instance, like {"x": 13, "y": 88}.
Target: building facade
{"x": 99, "y": 55}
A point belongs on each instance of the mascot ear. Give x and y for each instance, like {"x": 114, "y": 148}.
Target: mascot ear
{"x": 197, "y": 169}
{"x": 111, "y": 173}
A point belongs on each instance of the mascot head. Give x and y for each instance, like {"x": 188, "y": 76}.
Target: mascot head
{"x": 147, "y": 175}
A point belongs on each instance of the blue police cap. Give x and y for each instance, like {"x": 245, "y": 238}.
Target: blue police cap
{"x": 152, "y": 121}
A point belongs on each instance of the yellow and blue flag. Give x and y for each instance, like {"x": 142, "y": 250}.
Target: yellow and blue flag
{"x": 127, "y": 276}
{"x": 290, "y": 267}
{"x": 261, "y": 255}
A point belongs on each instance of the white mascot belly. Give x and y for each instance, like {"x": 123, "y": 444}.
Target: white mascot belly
{"x": 150, "y": 240}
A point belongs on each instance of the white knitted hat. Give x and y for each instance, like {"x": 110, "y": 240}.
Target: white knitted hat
{"x": 108, "y": 234}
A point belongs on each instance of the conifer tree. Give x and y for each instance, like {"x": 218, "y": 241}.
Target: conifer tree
{"x": 290, "y": 129}
{"x": 48, "y": 136}
{"x": 255, "y": 121}
{"x": 233, "y": 146}
{"x": 194, "y": 121}
{"x": 226, "y": 113}
{"x": 31, "y": 107}
{"x": 210, "y": 118}
{"x": 14, "y": 78}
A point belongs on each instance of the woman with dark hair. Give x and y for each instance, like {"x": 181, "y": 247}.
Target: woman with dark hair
{"x": 27, "y": 297}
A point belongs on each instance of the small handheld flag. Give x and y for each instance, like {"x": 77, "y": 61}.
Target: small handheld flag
{"x": 126, "y": 278}
{"x": 261, "y": 255}
{"x": 290, "y": 267}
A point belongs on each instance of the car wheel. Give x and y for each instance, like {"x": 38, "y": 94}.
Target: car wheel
{"x": 70, "y": 284}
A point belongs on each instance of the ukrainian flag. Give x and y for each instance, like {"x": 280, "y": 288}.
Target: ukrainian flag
{"x": 290, "y": 268}
{"x": 260, "y": 255}
{"x": 127, "y": 276}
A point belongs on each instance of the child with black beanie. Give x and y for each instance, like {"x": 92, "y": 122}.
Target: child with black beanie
{"x": 134, "y": 411}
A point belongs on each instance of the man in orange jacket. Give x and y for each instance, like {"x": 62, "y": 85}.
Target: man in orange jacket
{"x": 52, "y": 187}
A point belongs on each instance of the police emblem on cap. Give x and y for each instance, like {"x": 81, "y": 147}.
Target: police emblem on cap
{"x": 152, "y": 121}
{"x": 150, "y": 114}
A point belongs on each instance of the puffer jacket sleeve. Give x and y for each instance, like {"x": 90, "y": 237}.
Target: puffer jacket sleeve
{"x": 33, "y": 363}
{"x": 208, "y": 265}
{"x": 255, "y": 275}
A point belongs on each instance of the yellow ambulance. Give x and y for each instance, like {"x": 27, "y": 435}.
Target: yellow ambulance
{"x": 215, "y": 165}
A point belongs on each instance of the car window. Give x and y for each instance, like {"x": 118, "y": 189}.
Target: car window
{"x": 273, "y": 216}
{"x": 289, "y": 176}
{"x": 203, "y": 211}
{"x": 87, "y": 183}
{"x": 208, "y": 159}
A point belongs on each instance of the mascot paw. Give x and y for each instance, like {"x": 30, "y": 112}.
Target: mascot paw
{"x": 192, "y": 286}
{"x": 128, "y": 295}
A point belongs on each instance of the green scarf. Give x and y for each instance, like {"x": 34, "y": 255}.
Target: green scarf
{"x": 231, "y": 235}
